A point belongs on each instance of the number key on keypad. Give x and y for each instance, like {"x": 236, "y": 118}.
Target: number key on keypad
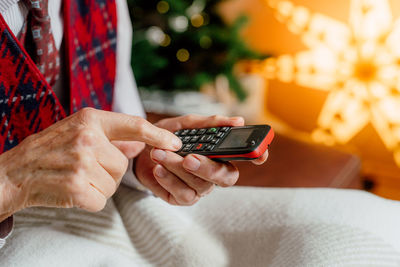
{"x": 206, "y": 138}
{"x": 187, "y": 147}
{"x": 215, "y": 141}
{"x": 193, "y": 132}
{"x": 201, "y": 131}
{"x": 209, "y": 147}
{"x": 220, "y": 134}
{"x": 184, "y": 132}
{"x": 195, "y": 139}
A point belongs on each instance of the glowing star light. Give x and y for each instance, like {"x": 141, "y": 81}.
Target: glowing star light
{"x": 358, "y": 64}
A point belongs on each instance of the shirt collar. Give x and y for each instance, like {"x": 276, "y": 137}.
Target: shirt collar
{"x": 6, "y": 4}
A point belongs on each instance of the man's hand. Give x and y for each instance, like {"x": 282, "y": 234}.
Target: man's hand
{"x": 182, "y": 181}
{"x": 77, "y": 162}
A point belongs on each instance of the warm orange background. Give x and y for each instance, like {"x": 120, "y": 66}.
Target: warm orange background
{"x": 299, "y": 107}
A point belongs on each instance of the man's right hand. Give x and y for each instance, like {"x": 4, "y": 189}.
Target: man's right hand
{"x": 74, "y": 163}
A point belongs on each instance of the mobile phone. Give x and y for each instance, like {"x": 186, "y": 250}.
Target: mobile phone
{"x": 227, "y": 143}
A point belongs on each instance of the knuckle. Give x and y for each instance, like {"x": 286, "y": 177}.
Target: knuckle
{"x": 216, "y": 117}
{"x": 87, "y": 114}
{"x": 190, "y": 117}
{"x": 124, "y": 163}
{"x": 140, "y": 124}
{"x": 75, "y": 185}
{"x": 86, "y": 137}
{"x": 123, "y": 166}
{"x": 82, "y": 162}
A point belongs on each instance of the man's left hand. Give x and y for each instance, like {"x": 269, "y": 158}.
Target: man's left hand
{"x": 183, "y": 180}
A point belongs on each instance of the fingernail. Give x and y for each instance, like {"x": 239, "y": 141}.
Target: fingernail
{"x": 158, "y": 154}
{"x": 160, "y": 171}
{"x": 177, "y": 143}
{"x": 191, "y": 163}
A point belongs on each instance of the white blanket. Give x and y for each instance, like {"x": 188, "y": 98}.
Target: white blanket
{"x": 231, "y": 227}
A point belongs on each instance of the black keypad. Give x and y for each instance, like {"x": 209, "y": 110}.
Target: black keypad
{"x": 201, "y": 139}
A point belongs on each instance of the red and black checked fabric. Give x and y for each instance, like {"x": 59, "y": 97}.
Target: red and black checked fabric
{"x": 27, "y": 102}
{"x": 92, "y": 51}
{"x": 40, "y": 44}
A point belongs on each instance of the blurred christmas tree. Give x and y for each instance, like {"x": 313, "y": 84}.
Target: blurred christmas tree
{"x": 183, "y": 44}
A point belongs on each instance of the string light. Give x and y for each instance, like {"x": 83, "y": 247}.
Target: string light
{"x": 183, "y": 55}
{"x": 162, "y": 7}
{"x": 205, "y": 42}
{"x": 358, "y": 64}
{"x": 179, "y": 23}
{"x": 167, "y": 41}
{"x": 197, "y": 20}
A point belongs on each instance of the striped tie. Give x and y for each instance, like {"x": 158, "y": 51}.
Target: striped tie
{"x": 38, "y": 40}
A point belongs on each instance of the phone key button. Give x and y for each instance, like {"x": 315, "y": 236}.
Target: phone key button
{"x": 199, "y": 147}
{"x": 206, "y": 138}
{"x": 215, "y": 141}
{"x": 220, "y": 134}
{"x": 186, "y": 139}
{"x": 193, "y": 132}
{"x": 209, "y": 147}
{"x": 184, "y": 132}
{"x": 212, "y": 130}
{"x": 195, "y": 139}
{"x": 225, "y": 129}
{"x": 187, "y": 148}
{"x": 177, "y": 133}
{"x": 201, "y": 131}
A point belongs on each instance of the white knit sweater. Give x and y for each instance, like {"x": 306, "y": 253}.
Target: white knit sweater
{"x": 231, "y": 227}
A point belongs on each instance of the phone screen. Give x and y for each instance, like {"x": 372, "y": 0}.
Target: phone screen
{"x": 237, "y": 138}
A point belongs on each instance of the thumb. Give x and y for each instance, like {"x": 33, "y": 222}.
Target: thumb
{"x": 130, "y": 149}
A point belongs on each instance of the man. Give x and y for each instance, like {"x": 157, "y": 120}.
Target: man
{"x": 58, "y": 57}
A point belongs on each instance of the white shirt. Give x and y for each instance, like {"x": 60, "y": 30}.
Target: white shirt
{"x": 126, "y": 98}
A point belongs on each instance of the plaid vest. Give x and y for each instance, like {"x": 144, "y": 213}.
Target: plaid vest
{"x": 27, "y": 103}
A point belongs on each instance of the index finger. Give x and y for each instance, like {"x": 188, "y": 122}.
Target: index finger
{"x": 197, "y": 121}
{"x": 123, "y": 127}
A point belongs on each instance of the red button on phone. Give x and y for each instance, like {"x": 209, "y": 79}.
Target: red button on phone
{"x": 199, "y": 147}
